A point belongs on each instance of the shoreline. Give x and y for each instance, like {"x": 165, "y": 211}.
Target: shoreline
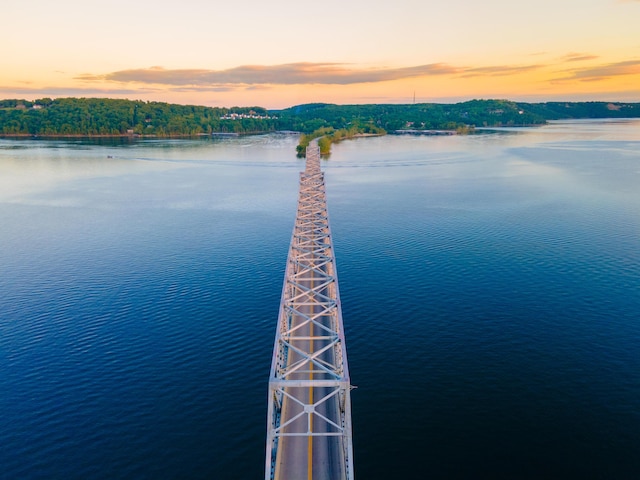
{"x": 137, "y": 136}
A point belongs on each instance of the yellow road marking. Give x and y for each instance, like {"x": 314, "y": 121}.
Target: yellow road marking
{"x": 310, "y": 444}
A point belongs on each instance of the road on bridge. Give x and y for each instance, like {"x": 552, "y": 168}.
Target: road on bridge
{"x": 310, "y": 457}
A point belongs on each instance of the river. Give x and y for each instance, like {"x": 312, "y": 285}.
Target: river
{"x": 490, "y": 294}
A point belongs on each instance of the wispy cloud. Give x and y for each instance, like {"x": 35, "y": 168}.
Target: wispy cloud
{"x": 578, "y": 57}
{"x": 205, "y": 89}
{"x": 287, "y": 74}
{"x": 73, "y": 91}
{"x": 499, "y": 70}
{"x": 302, "y": 73}
{"x": 605, "y": 71}
{"x": 152, "y": 81}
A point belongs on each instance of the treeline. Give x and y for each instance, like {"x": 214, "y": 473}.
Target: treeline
{"x": 307, "y": 118}
{"x": 101, "y": 116}
{"x": 459, "y": 116}
{"x": 576, "y": 110}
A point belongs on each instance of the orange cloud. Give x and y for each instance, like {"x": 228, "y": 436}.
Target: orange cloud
{"x": 287, "y": 74}
{"x": 73, "y": 91}
{"x": 302, "y": 73}
{"x": 604, "y": 72}
{"x": 499, "y": 70}
{"x": 579, "y": 57}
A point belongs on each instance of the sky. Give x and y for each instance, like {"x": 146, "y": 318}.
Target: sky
{"x": 281, "y": 53}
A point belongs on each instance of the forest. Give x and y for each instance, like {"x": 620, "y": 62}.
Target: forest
{"x": 112, "y": 117}
{"x": 436, "y": 116}
{"x": 115, "y": 117}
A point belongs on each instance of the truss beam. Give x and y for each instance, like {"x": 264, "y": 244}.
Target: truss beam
{"x": 309, "y": 404}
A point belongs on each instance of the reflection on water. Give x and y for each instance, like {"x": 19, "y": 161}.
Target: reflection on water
{"x": 166, "y": 172}
{"x": 489, "y": 288}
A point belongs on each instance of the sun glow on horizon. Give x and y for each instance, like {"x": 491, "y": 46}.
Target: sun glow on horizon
{"x": 277, "y": 56}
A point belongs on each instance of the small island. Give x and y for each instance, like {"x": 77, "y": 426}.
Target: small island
{"x": 328, "y": 135}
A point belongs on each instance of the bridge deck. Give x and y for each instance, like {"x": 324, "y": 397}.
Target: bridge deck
{"x": 309, "y": 418}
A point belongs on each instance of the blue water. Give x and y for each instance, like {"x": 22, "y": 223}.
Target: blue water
{"x": 490, "y": 292}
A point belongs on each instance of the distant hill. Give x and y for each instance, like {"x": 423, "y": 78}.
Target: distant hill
{"x": 101, "y": 116}
{"x": 437, "y": 116}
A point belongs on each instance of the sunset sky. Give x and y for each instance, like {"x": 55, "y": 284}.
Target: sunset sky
{"x": 282, "y": 53}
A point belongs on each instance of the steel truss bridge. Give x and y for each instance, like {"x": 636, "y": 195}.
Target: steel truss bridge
{"x": 309, "y": 410}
